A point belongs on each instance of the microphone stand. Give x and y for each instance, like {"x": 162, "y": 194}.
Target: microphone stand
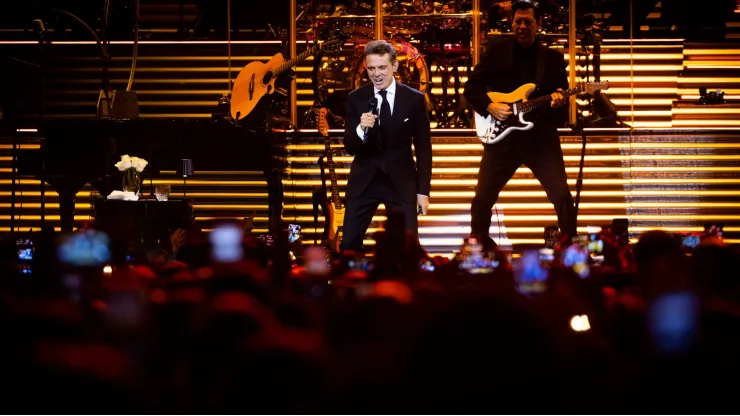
{"x": 581, "y": 125}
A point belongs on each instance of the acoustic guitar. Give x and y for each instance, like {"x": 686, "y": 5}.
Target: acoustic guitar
{"x": 257, "y": 79}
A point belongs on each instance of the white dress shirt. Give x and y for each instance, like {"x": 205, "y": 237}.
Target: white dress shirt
{"x": 391, "y": 94}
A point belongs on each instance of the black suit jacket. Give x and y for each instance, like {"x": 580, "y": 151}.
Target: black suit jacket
{"x": 496, "y": 72}
{"x": 409, "y": 124}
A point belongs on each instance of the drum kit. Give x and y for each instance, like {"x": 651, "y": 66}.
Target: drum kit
{"x": 432, "y": 41}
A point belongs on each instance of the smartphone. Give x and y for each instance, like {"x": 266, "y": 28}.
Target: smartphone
{"x": 294, "y": 233}
{"x": 530, "y": 273}
{"x": 547, "y": 255}
{"x": 552, "y": 236}
{"x": 85, "y": 249}
{"x": 672, "y": 321}
{"x": 268, "y": 238}
{"x": 690, "y": 241}
{"x": 360, "y": 264}
{"x": 226, "y": 243}
{"x": 713, "y": 230}
{"x": 474, "y": 260}
{"x": 595, "y": 247}
{"x": 577, "y": 256}
{"x": 25, "y": 251}
{"x": 426, "y": 265}
{"x": 317, "y": 260}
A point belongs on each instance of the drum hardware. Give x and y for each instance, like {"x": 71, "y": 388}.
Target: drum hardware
{"x": 420, "y": 36}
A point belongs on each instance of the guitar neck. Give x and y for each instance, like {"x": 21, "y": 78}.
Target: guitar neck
{"x": 546, "y": 99}
{"x": 293, "y": 62}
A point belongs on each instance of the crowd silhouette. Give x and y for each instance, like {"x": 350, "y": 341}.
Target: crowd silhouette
{"x": 222, "y": 322}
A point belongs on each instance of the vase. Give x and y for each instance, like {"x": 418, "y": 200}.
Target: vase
{"x": 131, "y": 181}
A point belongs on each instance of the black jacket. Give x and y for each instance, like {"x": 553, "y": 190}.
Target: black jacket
{"x": 497, "y": 71}
{"x": 409, "y": 124}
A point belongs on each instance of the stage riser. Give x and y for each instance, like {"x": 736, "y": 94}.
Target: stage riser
{"x": 676, "y": 181}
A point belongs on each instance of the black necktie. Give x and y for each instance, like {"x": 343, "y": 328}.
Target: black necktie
{"x": 385, "y": 116}
{"x": 385, "y": 108}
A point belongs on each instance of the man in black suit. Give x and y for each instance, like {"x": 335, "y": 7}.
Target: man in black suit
{"x": 383, "y": 169}
{"x": 505, "y": 66}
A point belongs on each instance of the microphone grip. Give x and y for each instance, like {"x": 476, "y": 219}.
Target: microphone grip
{"x": 372, "y": 108}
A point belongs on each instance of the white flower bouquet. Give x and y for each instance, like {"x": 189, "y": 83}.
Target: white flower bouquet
{"x": 131, "y": 168}
{"x": 131, "y": 162}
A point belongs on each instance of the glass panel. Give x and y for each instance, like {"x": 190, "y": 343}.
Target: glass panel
{"x": 433, "y": 42}
{"x": 332, "y": 73}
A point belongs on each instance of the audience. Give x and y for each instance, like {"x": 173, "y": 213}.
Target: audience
{"x": 259, "y": 328}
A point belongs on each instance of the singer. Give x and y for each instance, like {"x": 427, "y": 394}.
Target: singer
{"x": 383, "y": 119}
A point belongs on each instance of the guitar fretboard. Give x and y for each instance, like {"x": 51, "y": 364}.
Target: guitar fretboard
{"x": 293, "y": 62}
{"x": 546, "y": 99}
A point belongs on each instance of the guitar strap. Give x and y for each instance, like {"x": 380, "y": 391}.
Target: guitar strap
{"x": 541, "y": 64}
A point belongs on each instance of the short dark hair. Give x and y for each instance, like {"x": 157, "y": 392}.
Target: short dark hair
{"x": 381, "y": 47}
{"x": 526, "y": 5}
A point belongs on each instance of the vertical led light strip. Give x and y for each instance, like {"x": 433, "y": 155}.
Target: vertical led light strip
{"x": 572, "y": 58}
{"x": 293, "y": 82}
{"x": 630, "y": 135}
{"x": 228, "y": 40}
{"x": 378, "y": 19}
{"x": 632, "y": 68}
{"x": 476, "y": 32}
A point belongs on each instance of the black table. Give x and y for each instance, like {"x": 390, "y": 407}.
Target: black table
{"x": 146, "y": 223}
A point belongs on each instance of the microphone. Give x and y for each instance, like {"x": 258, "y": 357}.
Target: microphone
{"x": 373, "y": 108}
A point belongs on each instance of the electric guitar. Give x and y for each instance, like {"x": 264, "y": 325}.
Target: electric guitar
{"x": 490, "y": 130}
{"x": 334, "y": 221}
{"x": 257, "y": 79}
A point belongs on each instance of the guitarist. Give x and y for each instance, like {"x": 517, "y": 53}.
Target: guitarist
{"x": 506, "y": 65}
{"x": 384, "y": 118}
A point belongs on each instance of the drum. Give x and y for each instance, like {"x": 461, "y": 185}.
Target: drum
{"x": 412, "y": 68}
{"x": 335, "y": 75}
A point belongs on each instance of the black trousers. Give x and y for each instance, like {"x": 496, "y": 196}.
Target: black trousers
{"x": 543, "y": 156}
{"x": 360, "y": 210}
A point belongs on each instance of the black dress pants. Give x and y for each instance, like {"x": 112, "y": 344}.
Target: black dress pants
{"x": 360, "y": 210}
{"x": 543, "y": 156}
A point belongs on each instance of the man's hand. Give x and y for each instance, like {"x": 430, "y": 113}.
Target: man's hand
{"x": 177, "y": 239}
{"x": 367, "y": 120}
{"x": 499, "y": 111}
{"x": 558, "y": 100}
{"x": 422, "y": 204}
